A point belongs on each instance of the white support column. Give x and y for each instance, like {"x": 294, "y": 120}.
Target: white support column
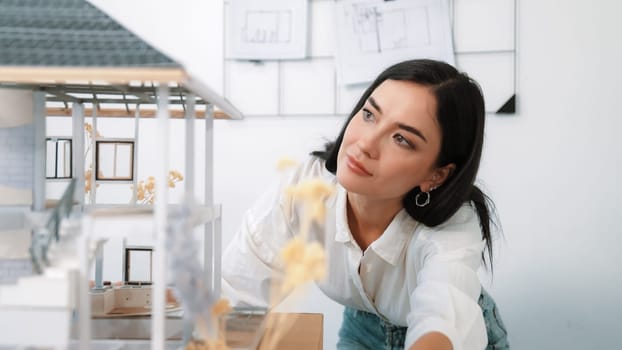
{"x": 77, "y": 150}
{"x": 84, "y": 299}
{"x": 93, "y": 193}
{"x": 38, "y": 188}
{"x": 209, "y": 242}
{"x": 190, "y": 116}
{"x": 135, "y": 154}
{"x": 217, "y": 243}
{"x": 161, "y": 222}
{"x": 99, "y": 267}
{"x": 189, "y": 183}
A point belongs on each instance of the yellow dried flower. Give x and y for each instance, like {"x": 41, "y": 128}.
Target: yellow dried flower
{"x": 303, "y": 262}
{"x": 317, "y": 211}
{"x": 313, "y": 193}
{"x": 175, "y": 175}
{"x": 294, "y": 249}
{"x": 315, "y": 261}
{"x": 221, "y": 307}
{"x": 87, "y": 181}
{"x": 285, "y": 163}
{"x": 89, "y": 130}
{"x": 145, "y": 191}
{"x": 88, "y": 184}
{"x": 312, "y": 189}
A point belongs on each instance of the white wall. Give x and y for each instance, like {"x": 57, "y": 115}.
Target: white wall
{"x": 182, "y": 29}
{"x": 552, "y": 169}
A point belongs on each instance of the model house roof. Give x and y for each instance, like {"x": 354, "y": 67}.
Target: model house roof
{"x": 76, "y": 52}
{"x": 70, "y": 33}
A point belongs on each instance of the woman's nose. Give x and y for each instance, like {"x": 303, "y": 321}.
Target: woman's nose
{"x": 368, "y": 144}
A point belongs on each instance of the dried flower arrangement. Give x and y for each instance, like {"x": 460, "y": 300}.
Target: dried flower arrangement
{"x": 146, "y": 191}
{"x": 303, "y": 261}
{"x": 90, "y": 134}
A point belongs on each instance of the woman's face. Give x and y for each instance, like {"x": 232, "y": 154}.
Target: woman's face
{"x": 391, "y": 145}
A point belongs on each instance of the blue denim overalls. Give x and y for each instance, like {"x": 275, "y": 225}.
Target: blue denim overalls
{"x": 362, "y": 330}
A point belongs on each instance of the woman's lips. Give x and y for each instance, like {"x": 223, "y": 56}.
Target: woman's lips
{"x": 357, "y": 167}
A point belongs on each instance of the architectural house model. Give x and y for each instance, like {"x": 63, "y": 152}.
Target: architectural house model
{"x": 66, "y": 57}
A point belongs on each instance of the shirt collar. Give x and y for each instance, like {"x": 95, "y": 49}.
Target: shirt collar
{"x": 343, "y": 231}
{"x": 393, "y": 241}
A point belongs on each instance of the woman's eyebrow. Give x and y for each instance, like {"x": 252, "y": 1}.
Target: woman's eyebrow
{"x": 408, "y": 128}
{"x": 374, "y": 104}
{"x": 412, "y": 130}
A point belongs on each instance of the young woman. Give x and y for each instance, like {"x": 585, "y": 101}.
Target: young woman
{"x": 406, "y": 230}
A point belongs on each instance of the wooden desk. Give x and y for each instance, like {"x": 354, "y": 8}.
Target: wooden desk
{"x": 306, "y": 332}
{"x": 299, "y": 331}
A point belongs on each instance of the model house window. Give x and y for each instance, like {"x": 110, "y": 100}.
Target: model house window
{"x": 58, "y": 158}
{"x": 115, "y": 160}
{"x": 138, "y": 261}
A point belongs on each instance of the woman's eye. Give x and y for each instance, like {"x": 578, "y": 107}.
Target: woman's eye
{"x": 367, "y": 114}
{"x": 402, "y": 141}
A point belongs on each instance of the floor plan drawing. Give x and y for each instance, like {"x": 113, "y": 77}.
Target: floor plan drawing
{"x": 268, "y": 27}
{"x": 371, "y": 35}
{"x": 379, "y": 29}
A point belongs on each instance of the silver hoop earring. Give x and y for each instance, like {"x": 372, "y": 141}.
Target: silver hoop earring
{"x": 418, "y": 199}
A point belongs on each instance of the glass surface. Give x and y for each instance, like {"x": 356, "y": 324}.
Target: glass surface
{"x": 139, "y": 265}
{"x": 58, "y": 160}
{"x": 115, "y": 160}
{"x": 50, "y": 159}
{"x": 63, "y": 167}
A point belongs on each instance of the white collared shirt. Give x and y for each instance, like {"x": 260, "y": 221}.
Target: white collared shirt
{"x": 413, "y": 275}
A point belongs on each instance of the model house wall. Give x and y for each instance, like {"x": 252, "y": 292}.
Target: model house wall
{"x": 16, "y": 147}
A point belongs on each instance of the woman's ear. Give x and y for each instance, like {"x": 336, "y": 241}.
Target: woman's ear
{"x": 438, "y": 177}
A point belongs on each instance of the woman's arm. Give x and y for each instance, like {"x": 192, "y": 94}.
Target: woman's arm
{"x": 432, "y": 341}
{"x": 251, "y": 262}
{"x": 445, "y": 260}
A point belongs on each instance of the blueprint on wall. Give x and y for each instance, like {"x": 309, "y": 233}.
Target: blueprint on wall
{"x": 373, "y": 34}
{"x": 484, "y": 46}
{"x": 267, "y": 29}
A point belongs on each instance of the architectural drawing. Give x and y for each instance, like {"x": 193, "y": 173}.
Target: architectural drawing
{"x": 379, "y": 29}
{"x": 267, "y": 30}
{"x": 372, "y": 35}
{"x": 268, "y": 27}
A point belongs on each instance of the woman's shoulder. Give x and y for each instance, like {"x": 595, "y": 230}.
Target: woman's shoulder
{"x": 274, "y": 195}
{"x": 311, "y": 167}
{"x": 461, "y": 229}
